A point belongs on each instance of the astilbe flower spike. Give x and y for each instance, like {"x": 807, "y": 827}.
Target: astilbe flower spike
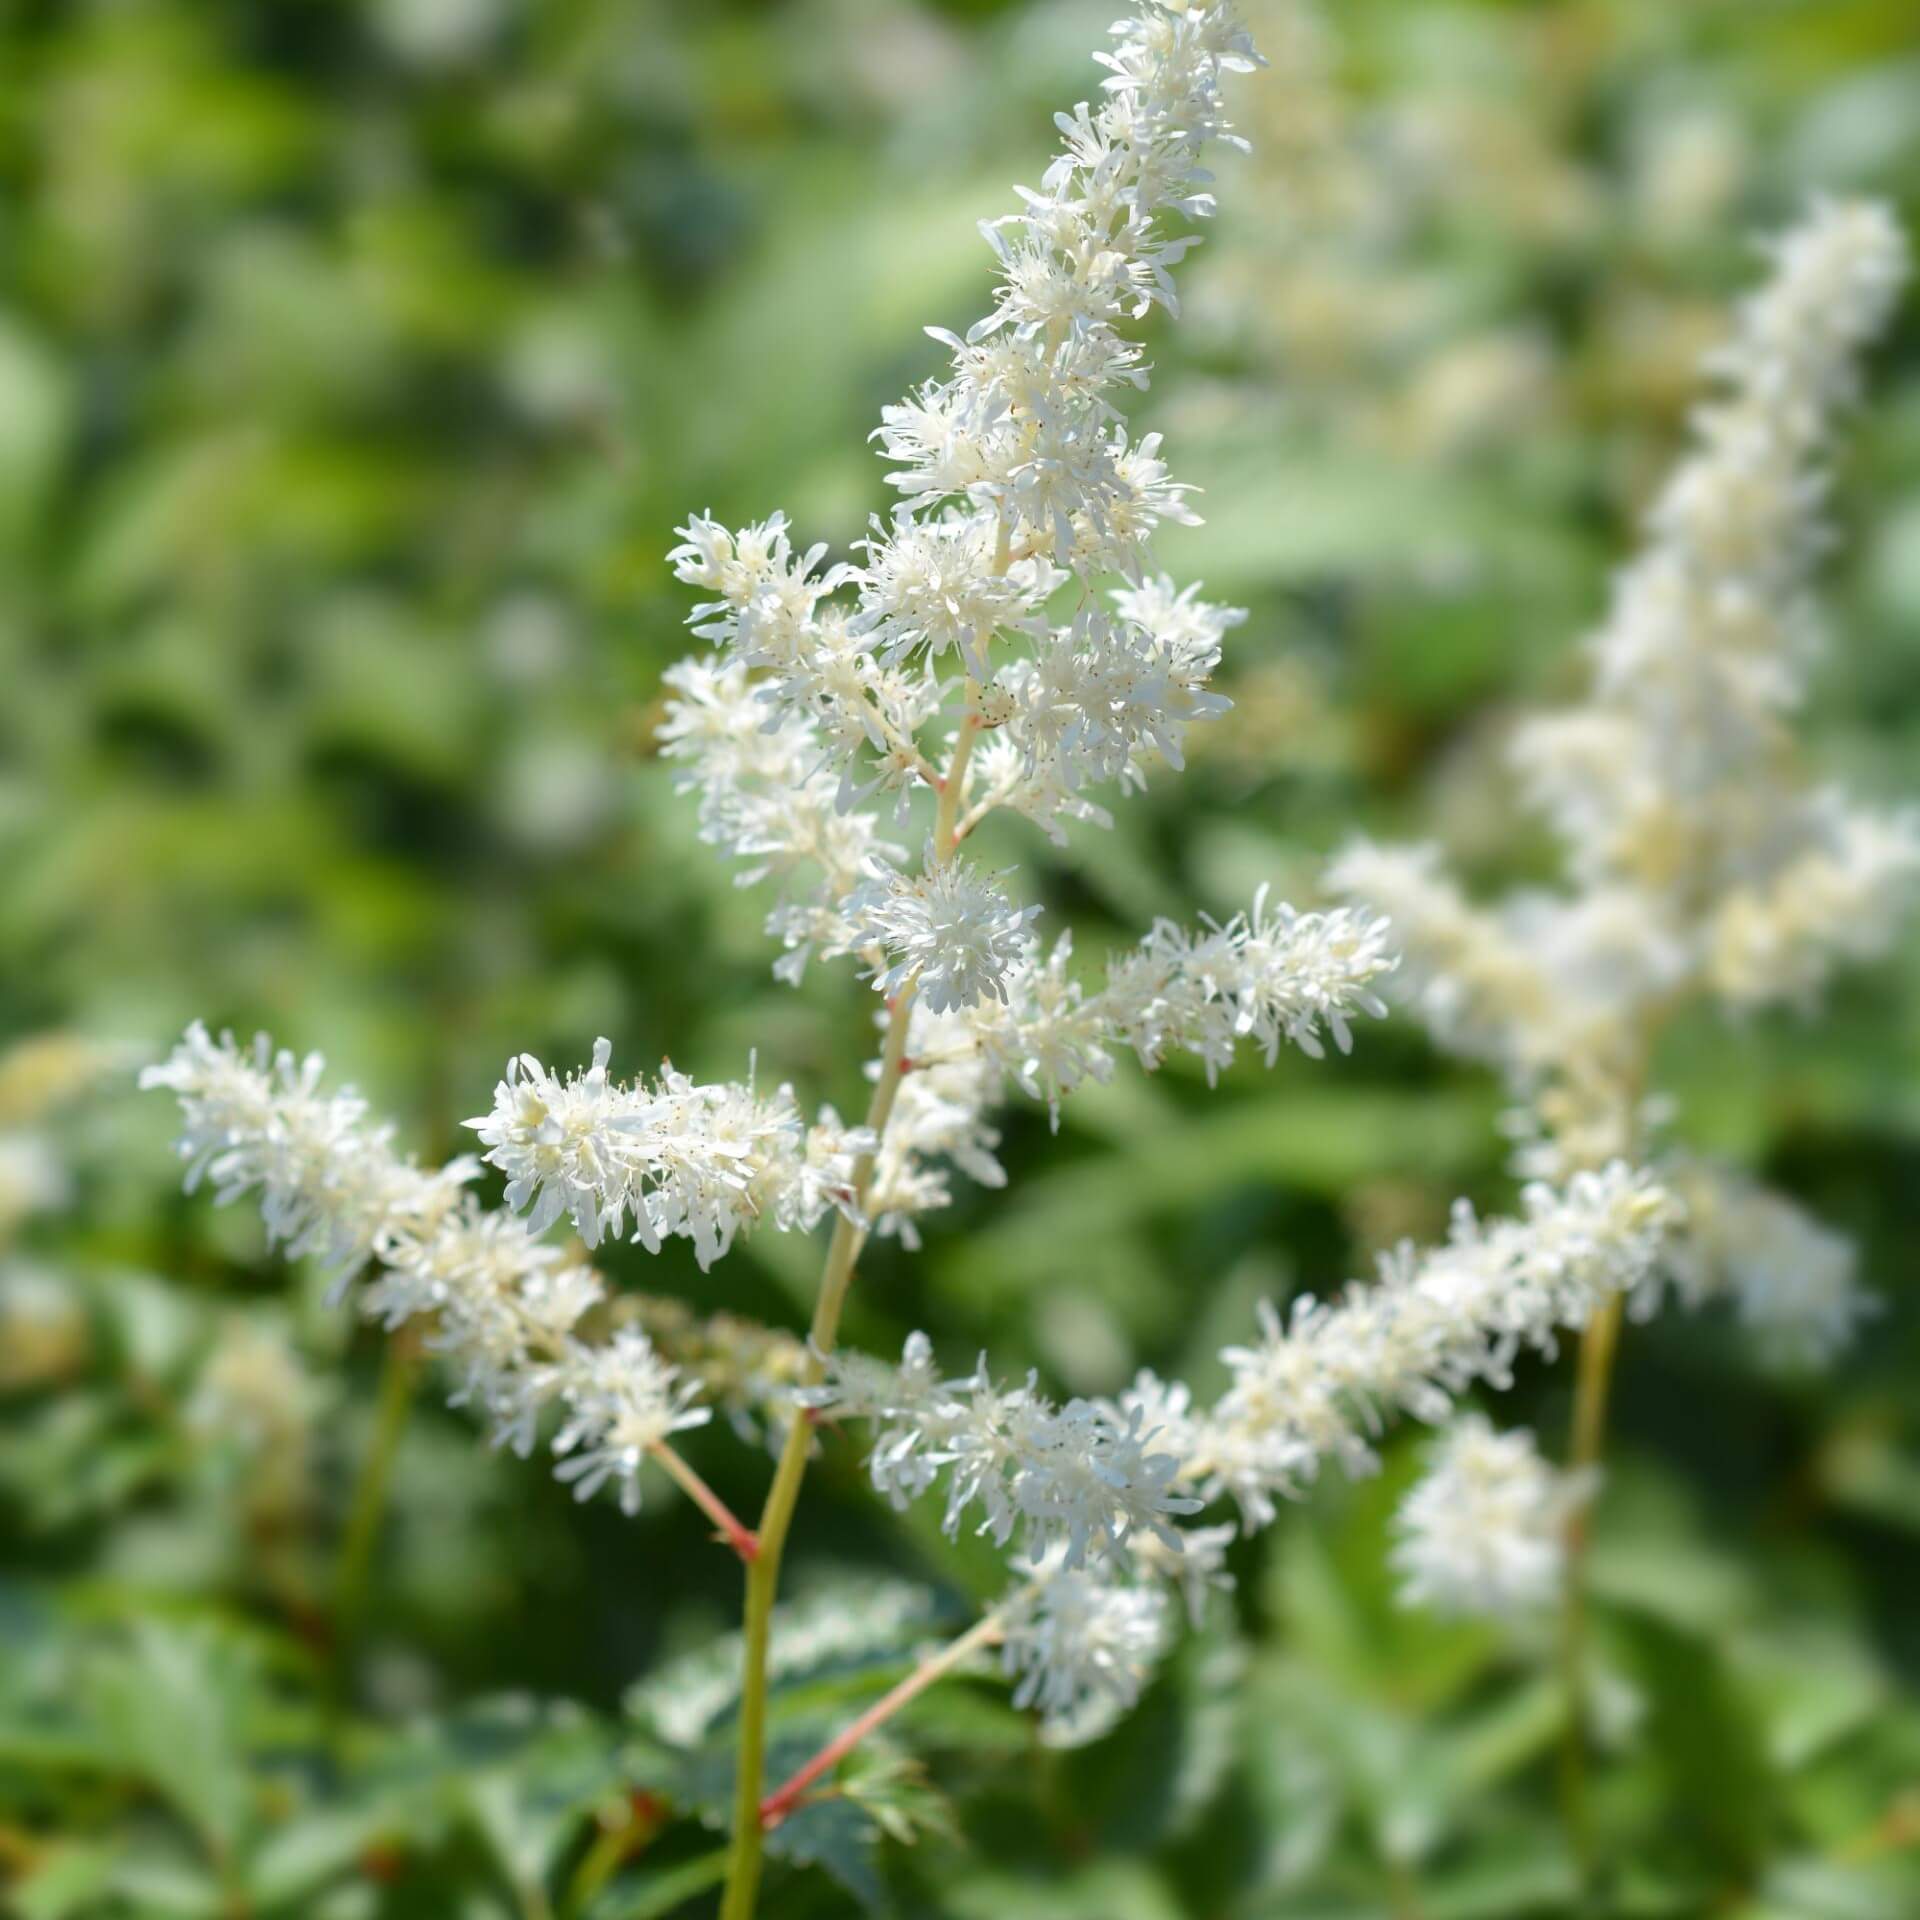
{"x": 1702, "y": 865}
{"x": 506, "y": 1307}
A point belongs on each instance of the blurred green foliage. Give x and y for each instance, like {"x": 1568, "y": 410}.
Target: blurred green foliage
{"x": 356, "y": 361}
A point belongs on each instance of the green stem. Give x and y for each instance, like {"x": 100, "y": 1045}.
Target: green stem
{"x": 399, "y": 1376}
{"x": 746, "y": 1850}
{"x": 1593, "y": 1378}
{"x": 763, "y": 1570}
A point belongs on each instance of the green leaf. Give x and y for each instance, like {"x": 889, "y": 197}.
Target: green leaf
{"x": 173, "y": 1702}
{"x": 652, "y": 1895}
{"x": 839, "y": 1837}
{"x": 65, "y": 1881}
{"x": 1705, "y": 1746}
{"x": 299, "y": 1857}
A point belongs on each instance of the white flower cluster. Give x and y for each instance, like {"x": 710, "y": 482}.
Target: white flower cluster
{"x": 1075, "y": 1479}
{"x": 1484, "y": 1531}
{"x": 1321, "y": 1380}
{"x": 1094, "y": 1487}
{"x": 1701, "y": 865}
{"x": 1700, "y": 861}
{"x": 680, "y": 1158}
{"x": 506, "y": 1308}
{"x": 1794, "y": 1284}
{"x": 1675, "y": 777}
{"x": 948, "y": 928}
{"x": 766, "y": 797}
{"x": 1017, "y": 474}
{"x": 1080, "y": 1645}
{"x": 1268, "y": 976}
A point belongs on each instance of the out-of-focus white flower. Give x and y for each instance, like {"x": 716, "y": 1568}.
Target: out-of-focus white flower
{"x": 1675, "y": 778}
{"x": 33, "y": 1179}
{"x": 1484, "y": 1530}
{"x": 1197, "y": 1566}
{"x": 1081, "y": 1645}
{"x": 1794, "y": 1283}
{"x": 1700, "y": 863}
{"x": 1843, "y": 894}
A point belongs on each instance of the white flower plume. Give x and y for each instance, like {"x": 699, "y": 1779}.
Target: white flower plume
{"x": 505, "y": 1307}
{"x": 1016, "y": 473}
{"x": 1075, "y": 1479}
{"x": 1088, "y": 1477}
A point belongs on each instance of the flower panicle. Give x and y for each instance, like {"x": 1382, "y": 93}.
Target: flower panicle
{"x": 838, "y": 691}
{"x": 1095, "y": 1478}
{"x": 507, "y": 1310}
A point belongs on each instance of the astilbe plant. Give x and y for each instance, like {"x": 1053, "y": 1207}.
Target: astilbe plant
{"x": 1703, "y": 869}
{"x": 1002, "y": 644}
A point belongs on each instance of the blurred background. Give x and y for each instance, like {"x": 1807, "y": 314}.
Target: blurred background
{"x": 357, "y": 360}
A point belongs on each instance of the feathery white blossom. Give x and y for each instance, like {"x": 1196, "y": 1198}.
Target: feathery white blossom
{"x": 1016, "y": 473}
{"x": 1268, "y": 976}
{"x": 1080, "y": 1645}
{"x": 1265, "y": 976}
{"x": 949, "y": 929}
{"x": 506, "y": 1308}
{"x": 1701, "y": 865}
{"x": 1484, "y": 1530}
{"x": 1079, "y": 1478}
{"x": 1323, "y": 1378}
{"x": 1093, "y": 1476}
{"x": 330, "y": 1183}
{"x": 1700, "y": 860}
{"x": 677, "y": 1157}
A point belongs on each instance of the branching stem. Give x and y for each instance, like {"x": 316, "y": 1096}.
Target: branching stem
{"x": 733, "y": 1530}
{"x": 784, "y": 1798}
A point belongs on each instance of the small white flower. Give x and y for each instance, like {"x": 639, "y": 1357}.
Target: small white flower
{"x": 948, "y": 928}
{"x": 1484, "y": 1531}
{"x": 621, "y": 1401}
{"x": 563, "y": 1144}
{"x": 932, "y": 585}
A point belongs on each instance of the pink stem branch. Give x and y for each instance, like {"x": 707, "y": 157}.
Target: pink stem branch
{"x": 738, "y": 1536}
{"x": 782, "y": 1800}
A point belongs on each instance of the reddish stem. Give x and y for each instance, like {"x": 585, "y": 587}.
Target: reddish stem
{"x": 740, "y": 1537}
{"x": 783, "y": 1799}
